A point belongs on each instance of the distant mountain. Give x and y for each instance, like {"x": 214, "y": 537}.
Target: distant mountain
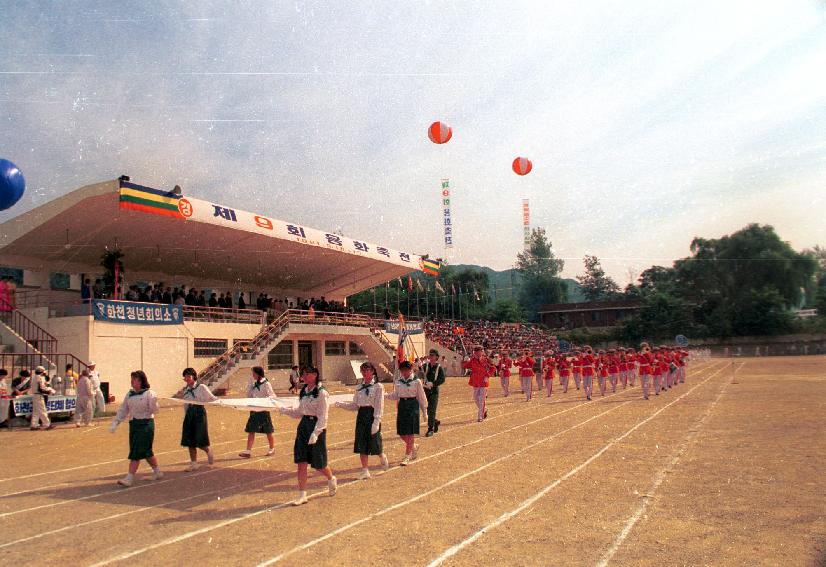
{"x": 507, "y": 282}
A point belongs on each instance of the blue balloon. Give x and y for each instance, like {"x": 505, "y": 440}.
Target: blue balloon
{"x": 12, "y": 184}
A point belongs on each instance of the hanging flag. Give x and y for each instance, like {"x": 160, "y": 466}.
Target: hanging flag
{"x": 409, "y": 283}
{"x": 439, "y": 286}
{"x": 401, "y": 285}
{"x": 446, "y": 220}
{"x": 452, "y": 289}
{"x": 526, "y": 222}
{"x": 400, "y": 345}
{"x": 431, "y": 267}
{"x": 419, "y": 285}
{"x": 475, "y": 293}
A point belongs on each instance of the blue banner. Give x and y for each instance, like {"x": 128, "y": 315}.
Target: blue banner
{"x": 137, "y": 313}
{"x": 409, "y": 328}
{"x": 56, "y": 404}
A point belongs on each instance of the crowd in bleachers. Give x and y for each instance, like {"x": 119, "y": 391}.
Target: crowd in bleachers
{"x": 490, "y": 334}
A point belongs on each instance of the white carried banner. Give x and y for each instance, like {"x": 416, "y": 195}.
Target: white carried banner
{"x": 212, "y": 213}
{"x": 261, "y": 404}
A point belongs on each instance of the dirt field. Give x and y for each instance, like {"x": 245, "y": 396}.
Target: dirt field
{"x": 726, "y": 469}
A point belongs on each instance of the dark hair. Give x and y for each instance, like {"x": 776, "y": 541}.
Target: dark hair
{"x": 25, "y": 373}
{"x": 189, "y": 372}
{"x": 68, "y": 366}
{"x": 432, "y": 352}
{"x": 258, "y": 371}
{"x": 405, "y": 364}
{"x": 4, "y": 372}
{"x": 370, "y": 365}
{"x": 141, "y": 375}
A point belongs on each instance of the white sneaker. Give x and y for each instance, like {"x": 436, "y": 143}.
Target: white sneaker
{"x": 385, "y": 463}
{"x": 302, "y": 499}
{"x": 415, "y": 452}
{"x": 210, "y": 456}
{"x": 405, "y": 461}
{"x": 271, "y": 452}
{"x": 157, "y": 474}
{"x": 191, "y": 467}
{"x": 126, "y": 481}
{"x": 332, "y": 486}
{"x": 364, "y": 474}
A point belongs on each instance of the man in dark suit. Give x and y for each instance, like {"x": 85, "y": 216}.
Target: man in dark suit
{"x": 432, "y": 376}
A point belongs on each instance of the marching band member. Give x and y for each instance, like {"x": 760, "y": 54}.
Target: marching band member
{"x": 563, "y": 363}
{"x": 526, "y": 373}
{"x": 602, "y": 370}
{"x": 646, "y": 360}
{"x": 576, "y": 367}
{"x": 310, "y": 448}
{"x": 259, "y": 421}
{"x": 195, "y": 429}
{"x": 505, "y": 365}
{"x": 613, "y": 369}
{"x": 140, "y": 407}
{"x": 479, "y": 380}
{"x": 587, "y": 364}
{"x": 84, "y": 404}
{"x": 631, "y": 364}
{"x": 623, "y": 368}
{"x": 368, "y": 401}
{"x": 548, "y": 366}
{"x": 39, "y": 389}
{"x": 682, "y": 365}
{"x": 432, "y": 376}
{"x": 409, "y": 392}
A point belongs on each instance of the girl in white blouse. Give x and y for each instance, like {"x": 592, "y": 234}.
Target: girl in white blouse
{"x": 412, "y": 400}
{"x": 368, "y": 401}
{"x": 310, "y": 446}
{"x": 259, "y": 421}
{"x": 140, "y": 407}
{"x": 195, "y": 429}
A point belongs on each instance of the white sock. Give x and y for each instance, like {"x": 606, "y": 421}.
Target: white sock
{"x": 156, "y": 469}
{"x": 130, "y": 476}
{"x": 302, "y": 494}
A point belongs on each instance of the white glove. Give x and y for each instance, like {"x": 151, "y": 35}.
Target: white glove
{"x": 113, "y": 426}
{"x": 375, "y": 428}
{"x": 313, "y": 438}
{"x": 428, "y": 385}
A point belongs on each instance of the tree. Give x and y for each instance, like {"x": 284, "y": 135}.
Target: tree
{"x": 507, "y": 310}
{"x": 540, "y": 269}
{"x": 595, "y": 284}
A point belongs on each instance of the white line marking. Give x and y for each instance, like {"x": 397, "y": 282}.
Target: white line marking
{"x": 659, "y": 477}
{"x": 453, "y": 550}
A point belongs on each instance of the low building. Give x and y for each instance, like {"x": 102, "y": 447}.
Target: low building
{"x": 587, "y": 314}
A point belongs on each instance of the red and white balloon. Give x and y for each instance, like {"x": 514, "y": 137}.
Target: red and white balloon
{"x": 522, "y": 166}
{"x": 439, "y": 133}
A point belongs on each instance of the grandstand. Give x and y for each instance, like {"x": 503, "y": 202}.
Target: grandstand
{"x": 180, "y": 240}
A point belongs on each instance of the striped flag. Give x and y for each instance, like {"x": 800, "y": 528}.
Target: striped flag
{"x": 439, "y": 286}
{"x": 147, "y": 200}
{"x": 409, "y": 283}
{"x": 419, "y": 285}
{"x": 431, "y": 267}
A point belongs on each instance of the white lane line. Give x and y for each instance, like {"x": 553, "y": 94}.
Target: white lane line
{"x": 418, "y": 497}
{"x": 659, "y": 477}
{"x": 453, "y": 550}
{"x": 249, "y": 515}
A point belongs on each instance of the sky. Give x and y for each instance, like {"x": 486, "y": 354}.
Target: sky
{"x": 648, "y": 122}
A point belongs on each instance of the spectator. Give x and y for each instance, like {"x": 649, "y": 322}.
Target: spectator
{"x": 241, "y": 303}
{"x": 86, "y": 291}
{"x": 213, "y": 300}
{"x": 20, "y": 386}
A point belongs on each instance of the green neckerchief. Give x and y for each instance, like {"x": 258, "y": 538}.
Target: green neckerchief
{"x": 314, "y": 392}
{"x": 366, "y": 387}
{"x": 258, "y": 384}
{"x": 408, "y": 381}
{"x": 190, "y": 390}
{"x": 137, "y": 393}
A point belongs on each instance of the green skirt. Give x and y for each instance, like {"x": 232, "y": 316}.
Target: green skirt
{"x": 365, "y": 442}
{"x": 195, "y": 431}
{"x": 141, "y": 436}
{"x": 407, "y": 418}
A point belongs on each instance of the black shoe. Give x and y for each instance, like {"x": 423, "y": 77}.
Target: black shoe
{"x": 429, "y": 433}
{"x": 486, "y": 415}
{"x": 436, "y": 429}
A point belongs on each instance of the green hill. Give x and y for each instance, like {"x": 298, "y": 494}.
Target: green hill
{"x": 506, "y": 283}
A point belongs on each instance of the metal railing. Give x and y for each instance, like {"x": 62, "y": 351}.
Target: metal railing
{"x": 55, "y": 363}
{"x": 35, "y": 337}
{"x": 223, "y": 315}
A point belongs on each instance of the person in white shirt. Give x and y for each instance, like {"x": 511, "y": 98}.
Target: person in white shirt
{"x": 195, "y": 429}
{"x": 310, "y": 448}
{"x": 85, "y": 394}
{"x": 40, "y": 389}
{"x": 140, "y": 407}
{"x": 259, "y": 421}
{"x": 368, "y": 401}
{"x": 410, "y": 393}
{"x": 94, "y": 376}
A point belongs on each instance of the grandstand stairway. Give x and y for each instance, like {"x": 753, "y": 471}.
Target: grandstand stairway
{"x": 247, "y": 354}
